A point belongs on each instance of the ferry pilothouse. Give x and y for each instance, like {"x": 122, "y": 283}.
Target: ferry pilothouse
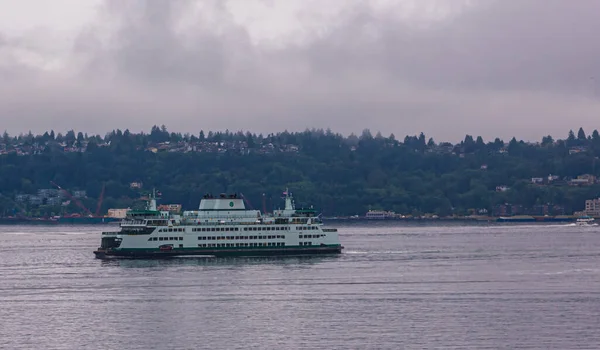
{"x": 221, "y": 227}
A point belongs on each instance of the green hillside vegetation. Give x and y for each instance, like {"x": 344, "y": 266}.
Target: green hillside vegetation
{"x": 338, "y": 175}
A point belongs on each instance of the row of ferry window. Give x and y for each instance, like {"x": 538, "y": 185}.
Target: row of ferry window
{"x": 229, "y": 229}
{"x": 311, "y": 236}
{"x": 176, "y": 229}
{"x": 232, "y": 245}
{"x": 215, "y": 229}
{"x": 205, "y": 238}
{"x": 307, "y": 228}
{"x": 259, "y": 228}
{"x": 165, "y": 239}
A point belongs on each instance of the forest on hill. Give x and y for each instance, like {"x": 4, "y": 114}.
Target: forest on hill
{"x": 338, "y": 175}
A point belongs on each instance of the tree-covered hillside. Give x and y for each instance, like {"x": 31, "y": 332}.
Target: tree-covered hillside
{"x": 338, "y": 175}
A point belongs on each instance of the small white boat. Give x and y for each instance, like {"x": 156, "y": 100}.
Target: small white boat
{"x": 585, "y": 221}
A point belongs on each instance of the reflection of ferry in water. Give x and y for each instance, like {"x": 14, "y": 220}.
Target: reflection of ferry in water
{"x": 221, "y": 227}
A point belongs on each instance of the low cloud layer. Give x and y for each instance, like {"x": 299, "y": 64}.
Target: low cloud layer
{"x": 506, "y": 68}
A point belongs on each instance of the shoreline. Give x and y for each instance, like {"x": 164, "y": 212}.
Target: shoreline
{"x": 479, "y": 219}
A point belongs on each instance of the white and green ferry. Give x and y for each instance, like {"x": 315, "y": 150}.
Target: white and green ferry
{"x": 221, "y": 227}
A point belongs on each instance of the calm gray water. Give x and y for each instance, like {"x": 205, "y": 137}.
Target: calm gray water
{"x": 395, "y": 287}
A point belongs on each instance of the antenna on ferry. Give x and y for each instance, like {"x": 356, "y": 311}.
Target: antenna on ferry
{"x": 152, "y": 200}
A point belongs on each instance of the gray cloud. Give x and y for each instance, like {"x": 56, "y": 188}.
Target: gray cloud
{"x": 500, "y": 68}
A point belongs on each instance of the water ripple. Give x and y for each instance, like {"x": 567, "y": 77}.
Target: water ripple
{"x": 395, "y": 287}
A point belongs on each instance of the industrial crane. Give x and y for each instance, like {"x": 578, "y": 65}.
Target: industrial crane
{"x": 79, "y": 204}
{"x": 100, "y": 199}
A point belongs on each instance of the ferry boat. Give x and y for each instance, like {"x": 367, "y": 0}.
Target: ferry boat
{"x": 585, "y": 221}
{"x": 222, "y": 226}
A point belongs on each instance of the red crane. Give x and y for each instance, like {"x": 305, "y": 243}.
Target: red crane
{"x": 247, "y": 201}
{"x": 79, "y": 204}
{"x": 99, "y": 205}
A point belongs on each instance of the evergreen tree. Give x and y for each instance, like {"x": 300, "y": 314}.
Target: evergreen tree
{"x": 581, "y": 135}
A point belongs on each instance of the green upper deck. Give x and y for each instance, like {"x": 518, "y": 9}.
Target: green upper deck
{"x": 139, "y": 213}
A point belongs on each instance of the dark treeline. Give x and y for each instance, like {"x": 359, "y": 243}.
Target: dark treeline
{"x": 339, "y": 175}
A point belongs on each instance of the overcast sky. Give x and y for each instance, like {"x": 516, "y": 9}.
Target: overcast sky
{"x": 523, "y": 68}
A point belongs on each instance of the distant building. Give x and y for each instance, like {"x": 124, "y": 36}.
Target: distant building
{"x": 502, "y": 188}
{"x": 117, "y": 213}
{"x": 516, "y": 209}
{"x": 507, "y": 209}
{"x": 547, "y": 210}
{"x": 35, "y": 200}
{"x": 583, "y": 180}
{"x": 136, "y": 185}
{"x": 578, "y": 149}
{"x": 21, "y": 198}
{"x": 54, "y": 201}
{"x": 501, "y": 210}
{"x": 537, "y": 180}
{"x": 592, "y": 207}
{"x": 47, "y": 192}
{"x": 552, "y": 178}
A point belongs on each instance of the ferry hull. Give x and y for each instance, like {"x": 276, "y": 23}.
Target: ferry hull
{"x": 155, "y": 253}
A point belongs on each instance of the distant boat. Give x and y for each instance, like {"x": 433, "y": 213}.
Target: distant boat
{"x": 517, "y": 218}
{"x": 379, "y": 215}
{"x": 585, "y": 221}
